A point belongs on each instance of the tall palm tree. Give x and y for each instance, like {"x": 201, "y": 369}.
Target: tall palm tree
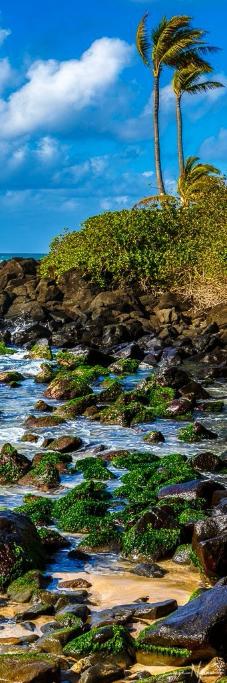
{"x": 196, "y": 179}
{"x": 170, "y": 44}
{"x": 187, "y": 80}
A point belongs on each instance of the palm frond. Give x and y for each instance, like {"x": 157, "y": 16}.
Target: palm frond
{"x": 143, "y": 43}
{"x": 203, "y": 87}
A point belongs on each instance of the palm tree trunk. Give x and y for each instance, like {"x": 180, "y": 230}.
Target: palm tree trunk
{"x": 180, "y": 135}
{"x": 158, "y": 166}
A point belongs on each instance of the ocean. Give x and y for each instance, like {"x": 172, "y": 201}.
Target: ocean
{"x": 8, "y": 256}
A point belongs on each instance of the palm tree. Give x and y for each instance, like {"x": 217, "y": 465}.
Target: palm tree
{"x": 196, "y": 179}
{"x": 170, "y": 44}
{"x": 187, "y": 80}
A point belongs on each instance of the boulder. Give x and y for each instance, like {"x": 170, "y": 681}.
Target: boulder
{"x": 150, "y": 570}
{"x": 199, "y": 628}
{"x": 28, "y": 668}
{"x": 66, "y": 444}
{"x": 154, "y": 437}
{"x": 191, "y": 490}
{"x": 20, "y": 546}
{"x": 206, "y": 462}
{"x": 104, "y": 671}
{"x": 13, "y": 465}
{"x": 210, "y": 543}
{"x": 122, "y": 614}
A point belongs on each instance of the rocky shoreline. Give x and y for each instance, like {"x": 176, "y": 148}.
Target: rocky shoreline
{"x": 154, "y": 372}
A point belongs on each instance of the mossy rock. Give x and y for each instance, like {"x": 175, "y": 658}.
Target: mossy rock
{"x": 81, "y": 517}
{"x": 154, "y": 437}
{"x": 37, "y": 508}
{"x": 43, "y": 421}
{"x": 76, "y": 406}
{"x": 6, "y": 350}
{"x": 70, "y": 360}
{"x": 124, "y": 366}
{"x": 41, "y": 351}
{"x": 10, "y": 376}
{"x": 67, "y": 386}
{"x": 12, "y": 464}
{"x": 106, "y": 537}
{"x": 51, "y": 540}
{"x": 195, "y": 433}
{"x": 23, "y": 588}
{"x": 45, "y": 374}
{"x": 93, "y": 468}
{"x": 158, "y": 544}
{"x": 107, "y": 639}
{"x": 29, "y": 666}
{"x": 68, "y": 620}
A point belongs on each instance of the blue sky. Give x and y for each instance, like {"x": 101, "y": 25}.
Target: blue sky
{"x": 75, "y": 112}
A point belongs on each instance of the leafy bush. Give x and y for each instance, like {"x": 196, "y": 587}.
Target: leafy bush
{"x": 164, "y": 245}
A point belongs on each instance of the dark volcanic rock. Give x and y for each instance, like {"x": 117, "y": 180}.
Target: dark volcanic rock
{"x": 206, "y": 462}
{"x": 150, "y": 570}
{"x": 18, "y": 538}
{"x": 200, "y": 626}
{"x": 190, "y": 490}
{"x": 210, "y": 543}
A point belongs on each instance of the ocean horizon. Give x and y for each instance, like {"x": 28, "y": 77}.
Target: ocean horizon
{"x": 8, "y": 255}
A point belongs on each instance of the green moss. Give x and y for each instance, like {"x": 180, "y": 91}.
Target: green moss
{"x": 196, "y": 561}
{"x": 81, "y": 516}
{"x": 135, "y": 459}
{"x": 196, "y": 593}
{"x": 125, "y": 366}
{"x": 5, "y": 350}
{"x": 30, "y": 582}
{"x": 69, "y": 620}
{"x": 156, "y": 543}
{"x": 191, "y": 516}
{"x": 69, "y": 360}
{"x": 105, "y": 536}
{"x": 189, "y": 435}
{"x": 39, "y": 509}
{"x": 159, "y": 398}
{"x": 92, "y": 468}
{"x": 76, "y": 406}
{"x": 40, "y": 351}
{"x": 93, "y": 641}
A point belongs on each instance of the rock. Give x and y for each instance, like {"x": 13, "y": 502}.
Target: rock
{"x": 191, "y": 490}
{"x": 206, "y": 462}
{"x": 31, "y": 438}
{"x": 179, "y": 406}
{"x": 45, "y": 374}
{"x": 66, "y": 444}
{"x": 210, "y": 543}
{"x": 20, "y": 546}
{"x": 218, "y": 315}
{"x": 43, "y": 406}
{"x": 215, "y": 668}
{"x": 150, "y": 570}
{"x": 154, "y": 437}
{"x": 75, "y": 583}
{"x": 182, "y": 555}
{"x": 37, "y": 610}
{"x": 28, "y": 668}
{"x": 193, "y": 391}
{"x": 22, "y": 589}
{"x": 41, "y": 350}
{"x": 45, "y": 421}
{"x": 9, "y": 376}
{"x": 104, "y": 671}
{"x": 123, "y": 614}
{"x": 79, "y": 610}
{"x": 172, "y": 377}
{"x": 131, "y": 350}
{"x": 12, "y": 464}
{"x": 198, "y": 627}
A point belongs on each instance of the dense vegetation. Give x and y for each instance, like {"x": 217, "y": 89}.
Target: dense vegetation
{"x": 168, "y": 246}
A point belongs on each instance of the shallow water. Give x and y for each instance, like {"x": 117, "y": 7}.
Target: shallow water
{"x": 112, "y": 582}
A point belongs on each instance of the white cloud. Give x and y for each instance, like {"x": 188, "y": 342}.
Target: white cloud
{"x": 6, "y": 73}
{"x": 4, "y": 33}
{"x": 55, "y": 91}
{"x": 215, "y": 147}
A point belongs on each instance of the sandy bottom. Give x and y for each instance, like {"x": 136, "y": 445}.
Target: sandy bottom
{"x": 112, "y": 589}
